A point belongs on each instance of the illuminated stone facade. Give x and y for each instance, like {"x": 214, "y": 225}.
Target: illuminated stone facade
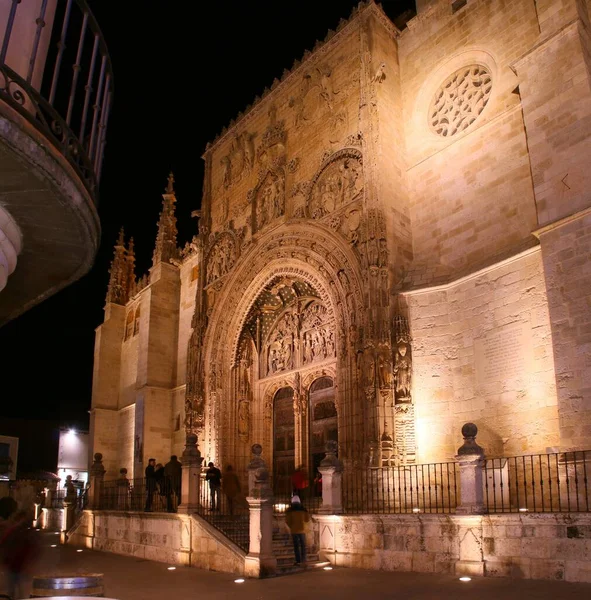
{"x": 393, "y": 241}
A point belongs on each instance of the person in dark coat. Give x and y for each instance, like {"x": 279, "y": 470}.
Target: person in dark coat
{"x": 150, "y": 484}
{"x": 173, "y": 474}
{"x": 296, "y": 518}
{"x": 214, "y": 477}
{"x": 230, "y": 486}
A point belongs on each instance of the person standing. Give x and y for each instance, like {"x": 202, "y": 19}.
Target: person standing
{"x": 160, "y": 484}
{"x": 230, "y": 487}
{"x": 173, "y": 474}
{"x": 299, "y": 481}
{"x": 214, "y": 477}
{"x": 150, "y": 484}
{"x": 296, "y": 517}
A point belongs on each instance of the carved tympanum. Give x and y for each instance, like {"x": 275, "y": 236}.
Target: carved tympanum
{"x": 460, "y": 99}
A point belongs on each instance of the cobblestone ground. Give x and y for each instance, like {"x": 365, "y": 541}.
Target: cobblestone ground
{"x": 136, "y": 579}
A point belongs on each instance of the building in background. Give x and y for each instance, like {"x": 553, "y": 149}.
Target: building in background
{"x": 72, "y": 458}
{"x": 394, "y": 241}
{"x": 55, "y": 96}
{"x": 8, "y": 462}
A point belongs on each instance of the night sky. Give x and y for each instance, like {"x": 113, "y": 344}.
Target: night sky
{"x": 182, "y": 71}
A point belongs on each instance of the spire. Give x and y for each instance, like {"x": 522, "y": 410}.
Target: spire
{"x": 166, "y": 247}
{"x": 118, "y": 291}
{"x": 130, "y": 259}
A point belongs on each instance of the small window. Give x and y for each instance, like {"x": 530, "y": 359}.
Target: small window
{"x": 177, "y": 424}
{"x": 194, "y": 273}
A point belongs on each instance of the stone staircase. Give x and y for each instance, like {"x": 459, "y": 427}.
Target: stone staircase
{"x": 283, "y": 551}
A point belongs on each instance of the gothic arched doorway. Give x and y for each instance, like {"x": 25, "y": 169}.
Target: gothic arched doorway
{"x": 322, "y": 424}
{"x": 288, "y": 336}
{"x": 283, "y": 439}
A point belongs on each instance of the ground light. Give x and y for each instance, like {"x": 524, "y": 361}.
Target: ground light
{"x": 328, "y": 568}
{"x": 465, "y": 578}
{"x": 172, "y": 568}
{"x": 238, "y": 580}
{"x": 523, "y": 510}
{"x": 416, "y": 510}
{"x": 79, "y": 550}
{"x": 54, "y": 545}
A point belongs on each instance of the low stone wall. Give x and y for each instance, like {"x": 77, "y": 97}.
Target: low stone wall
{"x": 171, "y": 538}
{"x": 530, "y": 546}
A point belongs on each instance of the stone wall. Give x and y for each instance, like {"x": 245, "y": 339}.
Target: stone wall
{"x": 470, "y": 193}
{"x": 170, "y": 538}
{"x": 482, "y": 352}
{"x": 535, "y": 546}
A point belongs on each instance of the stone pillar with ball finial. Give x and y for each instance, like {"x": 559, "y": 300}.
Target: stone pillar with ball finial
{"x": 470, "y": 459}
{"x": 331, "y": 470}
{"x": 260, "y": 561}
{"x": 96, "y": 478}
{"x": 191, "y": 460}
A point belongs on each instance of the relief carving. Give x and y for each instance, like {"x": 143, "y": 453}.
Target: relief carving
{"x": 339, "y": 182}
{"x": 221, "y": 258}
{"x": 402, "y": 361}
{"x": 240, "y": 159}
{"x": 269, "y": 199}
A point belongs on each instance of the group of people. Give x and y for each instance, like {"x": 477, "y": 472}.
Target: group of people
{"x": 228, "y": 483}
{"x": 165, "y": 480}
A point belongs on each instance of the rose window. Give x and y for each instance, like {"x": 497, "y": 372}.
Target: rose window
{"x": 459, "y": 100}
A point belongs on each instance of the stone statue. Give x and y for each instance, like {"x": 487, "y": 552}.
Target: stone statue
{"x": 402, "y": 372}
{"x": 385, "y": 371}
{"x": 243, "y": 418}
{"x": 226, "y": 171}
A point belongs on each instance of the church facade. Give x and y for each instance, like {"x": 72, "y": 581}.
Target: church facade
{"x": 393, "y": 241}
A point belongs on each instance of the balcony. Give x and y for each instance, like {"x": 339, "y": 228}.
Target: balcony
{"x": 56, "y": 90}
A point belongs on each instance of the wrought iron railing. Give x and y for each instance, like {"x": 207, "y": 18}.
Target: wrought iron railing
{"x": 228, "y": 515}
{"x": 140, "y": 494}
{"x": 556, "y": 482}
{"x": 57, "y": 499}
{"x": 310, "y": 497}
{"x": 426, "y": 488}
{"x": 72, "y": 105}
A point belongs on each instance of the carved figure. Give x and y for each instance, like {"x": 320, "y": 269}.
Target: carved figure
{"x": 402, "y": 372}
{"x": 226, "y": 171}
{"x": 380, "y": 74}
{"x": 369, "y": 367}
{"x": 243, "y": 418}
{"x": 385, "y": 371}
{"x": 249, "y": 151}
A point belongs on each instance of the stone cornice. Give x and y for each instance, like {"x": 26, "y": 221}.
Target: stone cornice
{"x": 562, "y": 222}
{"x": 321, "y": 47}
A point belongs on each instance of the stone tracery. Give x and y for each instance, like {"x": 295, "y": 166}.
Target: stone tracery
{"x": 460, "y": 99}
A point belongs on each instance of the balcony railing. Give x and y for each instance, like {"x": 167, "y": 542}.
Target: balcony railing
{"x": 70, "y": 103}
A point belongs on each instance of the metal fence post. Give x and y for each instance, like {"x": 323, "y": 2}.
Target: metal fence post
{"x": 470, "y": 459}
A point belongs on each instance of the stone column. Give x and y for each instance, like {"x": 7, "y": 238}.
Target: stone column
{"x": 331, "y": 470}
{"x": 191, "y": 479}
{"x": 260, "y": 561}
{"x": 96, "y": 478}
{"x": 470, "y": 459}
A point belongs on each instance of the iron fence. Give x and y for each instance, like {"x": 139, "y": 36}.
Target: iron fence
{"x": 71, "y": 104}
{"x": 554, "y": 482}
{"x": 310, "y": 497}
{"x": 425, "y": 488}
{"x": 230, "y": 515}
{"x": 141, "y": 494}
